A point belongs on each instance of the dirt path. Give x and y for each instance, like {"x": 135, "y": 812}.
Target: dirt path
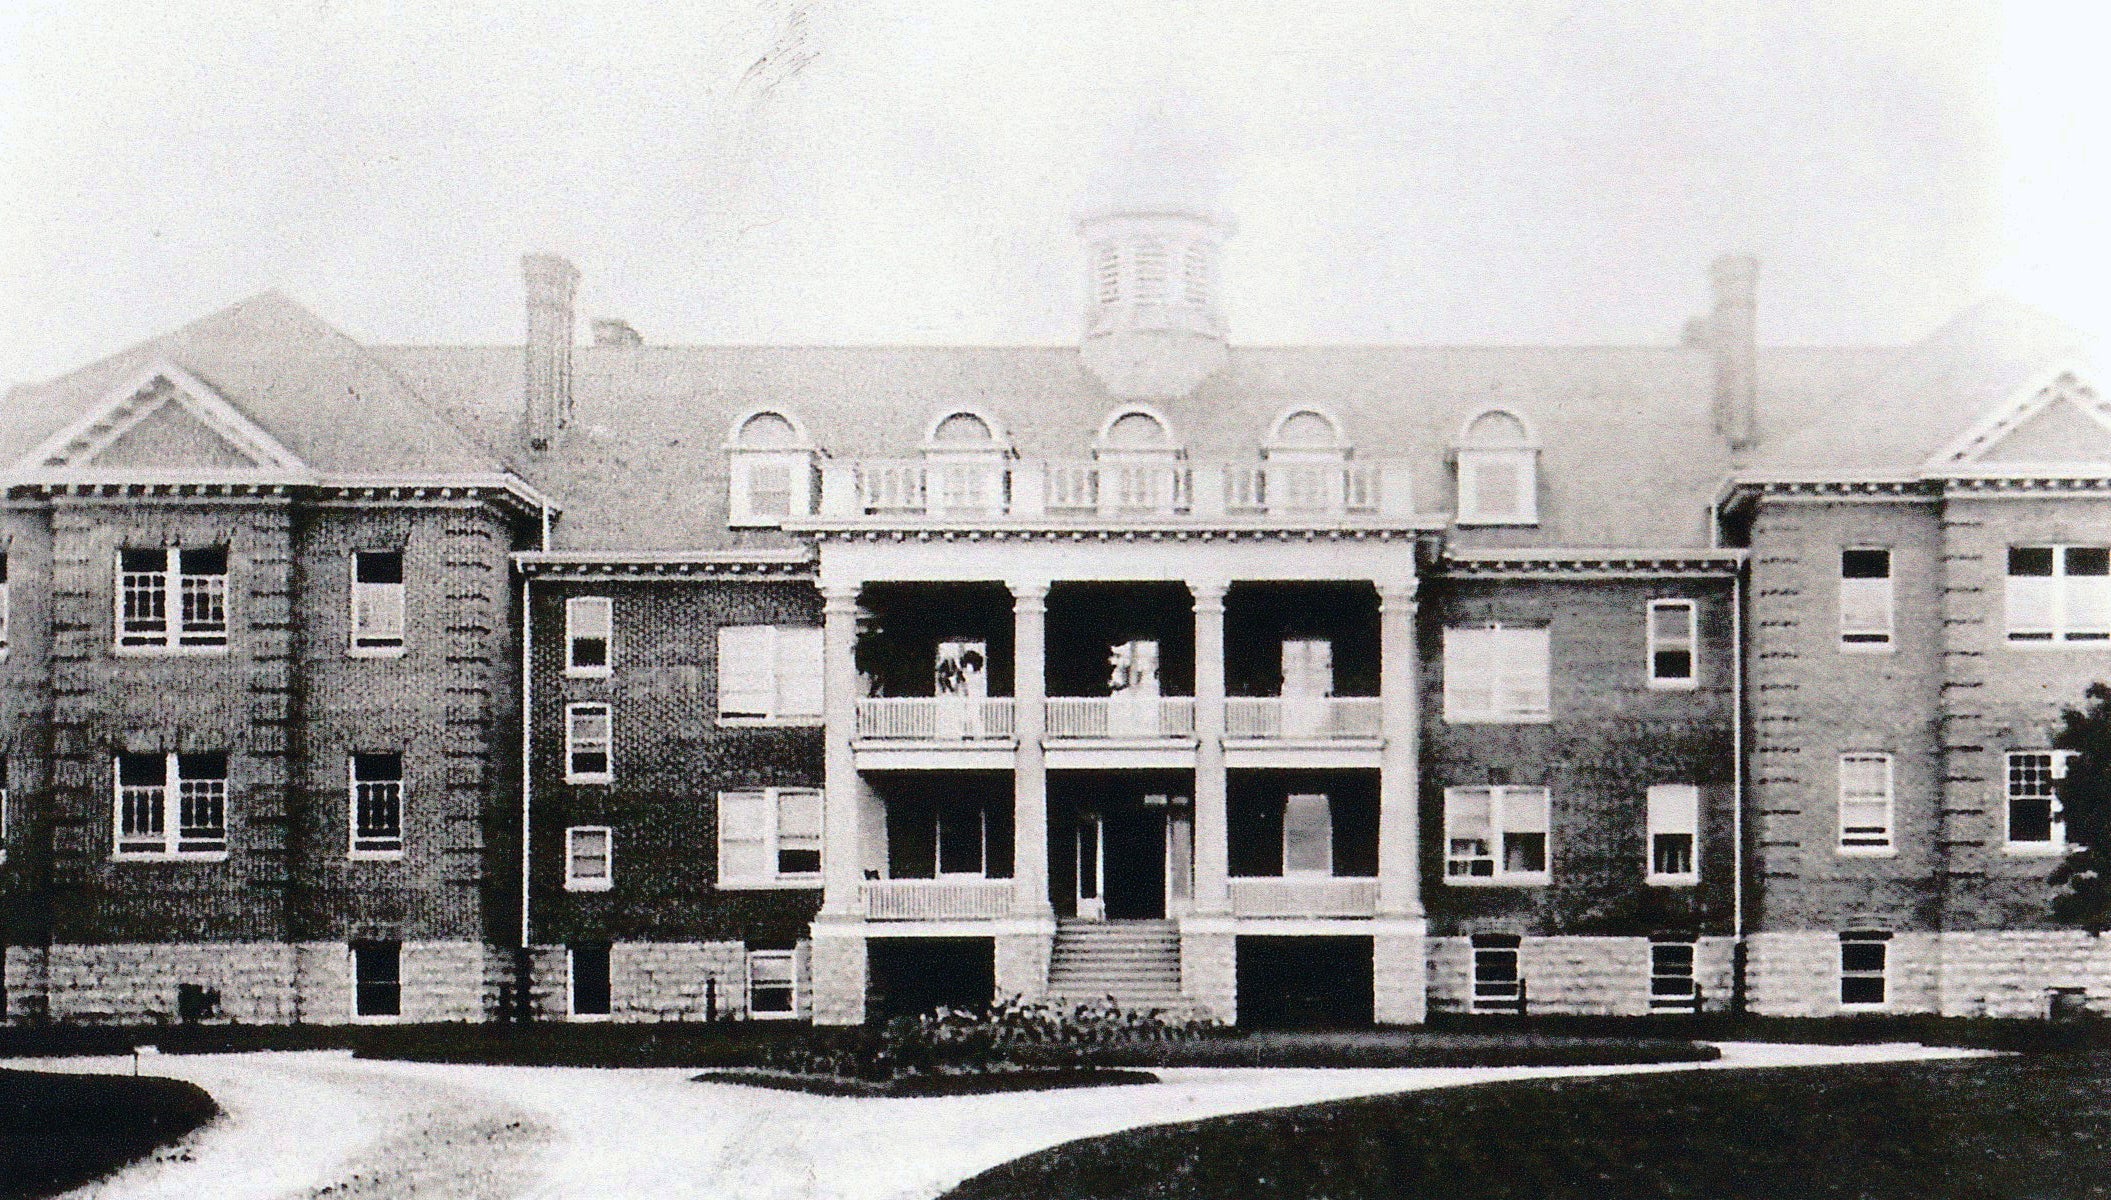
{"x": 326, "y": 1125}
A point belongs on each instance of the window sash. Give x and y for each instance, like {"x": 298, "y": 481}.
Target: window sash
{"x": 747, "y": 685}
{"x": 589, "y": 635}
{"x": 191, "y": 787}
{"x": 2058, "y": 594}
{"x": 1671, "y": 974}
{"x": 1865, "y": 802}
{"x": 1864, "y": 970}
{"x": 377, "y": 616}
{"x": 1865, "y": 611}
{"x": 377, "y": 803}
{"x": 1497, "y": 835}
{"x": 1673, "y": 635}
{"x": 2034, "y": 818}
{"x": 377, "y": 979}
{"x": 1674, "y": 832}
{"x": 1497, "y": 675}
{"x": 770, "y": 836}
{"x": 589, "y": 858}
{"x": 589, "y": 736}
{"x": 773, "y": 984}
{"x": 146, "y": 581}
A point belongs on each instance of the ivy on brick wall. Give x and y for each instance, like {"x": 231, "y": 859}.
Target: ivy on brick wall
{"x": 2084, "y": 877}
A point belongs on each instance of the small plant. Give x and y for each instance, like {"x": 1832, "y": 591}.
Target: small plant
{"x": 1012, "y": 1034}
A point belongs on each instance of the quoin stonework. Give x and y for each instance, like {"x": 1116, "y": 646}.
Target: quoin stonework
{"x": 1271, "y": 684}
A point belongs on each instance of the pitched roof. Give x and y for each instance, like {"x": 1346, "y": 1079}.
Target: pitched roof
{"x": 1925, "y": 396}
{"x": 316, "y": 391}
{"x": 1629, "y": 455}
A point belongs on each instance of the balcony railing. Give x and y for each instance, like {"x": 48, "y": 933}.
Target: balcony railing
{"x": 1303, "y": 896}
{"x": 1117, "y": 718}
{"x": 1295, "y": 718}
{"x": 936, "y": 719}
{"x": 956, "y": 488}
{"x": 936, "y": 899}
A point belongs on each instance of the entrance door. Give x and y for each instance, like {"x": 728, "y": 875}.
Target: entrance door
{"x": 1091, "y": 857}
{"x": 1133, "y": 866}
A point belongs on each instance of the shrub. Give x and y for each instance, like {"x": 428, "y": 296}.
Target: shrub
{"x": 1009, "y": 1035}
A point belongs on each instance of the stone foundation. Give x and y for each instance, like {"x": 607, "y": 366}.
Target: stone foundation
{"x": 1399, "y": 978}
{"x": 838, "y": 965}
{"x": 1590, "y": 976}
{"x": 1022, "y": 964}
{"x": 1991, "y": 973}
{"x": 676, "y": 981}
{"x": 1209, "y": 972}
{"x": 259, "y": 983}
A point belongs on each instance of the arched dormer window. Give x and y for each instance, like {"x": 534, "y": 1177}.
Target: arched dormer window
{"x": 770, "y": 469}
{"x": 964, "y": 459}
{"x": 1498, "y": 459}
{"x": 1305, "y": 455}
{"x": 1137, "y": 429}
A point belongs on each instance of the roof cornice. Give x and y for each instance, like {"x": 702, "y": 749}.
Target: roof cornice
{"x": 1072, "y": 531}
{"x": 501, "y": 488}
{"x": 645, "y": 565}
{"x": 1592, "y": 563}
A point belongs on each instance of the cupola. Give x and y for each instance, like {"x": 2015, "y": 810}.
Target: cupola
{"x": 1153, "y": 328}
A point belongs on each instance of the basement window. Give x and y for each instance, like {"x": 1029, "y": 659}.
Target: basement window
{"x": 377, "y": 980}
{"x": 1865, "y": 962}
{"x": 588, "y": 980}
{"x": 773, "y": 985}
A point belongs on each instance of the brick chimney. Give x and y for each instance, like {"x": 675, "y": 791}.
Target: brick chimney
{"x": 1731, "y": 338}
{"x": 551, "y": 283}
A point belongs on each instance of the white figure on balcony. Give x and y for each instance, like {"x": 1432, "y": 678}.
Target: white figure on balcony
{"x": 1133, "y": 709}
{"x": 1308, "y": 682}
{"x": 961, "y": 682}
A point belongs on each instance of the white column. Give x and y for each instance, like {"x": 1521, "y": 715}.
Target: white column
{"x": 1030, "y": 774}
{"x": 1212, "y": 895}
{"x": 843, "y": 854}
{"x": 1399, "y": 782}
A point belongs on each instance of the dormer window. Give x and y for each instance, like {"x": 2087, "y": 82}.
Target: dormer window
{"x": 964, "y": 459}
{"x": 1498, "y": 461}
{"x": 770, "y": 470}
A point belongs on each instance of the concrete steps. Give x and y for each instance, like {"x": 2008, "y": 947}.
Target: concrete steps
{"x": 1135, "y": 962}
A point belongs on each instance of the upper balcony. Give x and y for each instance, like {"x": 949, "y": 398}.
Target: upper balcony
{"x": 1039, "y": 490}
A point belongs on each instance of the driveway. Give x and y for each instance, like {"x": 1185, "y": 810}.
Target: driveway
{"x": 328, "y": 1125}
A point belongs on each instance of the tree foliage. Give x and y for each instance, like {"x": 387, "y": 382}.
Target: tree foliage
{"x": 2084, "y": 877}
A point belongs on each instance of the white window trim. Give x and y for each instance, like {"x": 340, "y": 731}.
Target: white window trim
{"x": 2057, "y": 847}
{"x": 1651, "y": 875}
{"x": 354, "y": 850}
{"x": 1470, "y": 460}
{"x": 798, "y": 464}
{"x": 576, "y": 883}
{"x": 1890, "y": 590}
{"x": 571, "y": 988}
{"x": 1692, "y": 646}
{"x": 376, "y": 647}
{"x": 171, "y": 645}
{"x": 352, "y": 1001}
{"x": 1499, "y": 795}
{"x": 1665, "y": 1001}
{"x": 791, "y": 959}
{"x": 938, "y": 845}
{"x": 2061, "y": 636}
{"x": 772, "y": 719}
{"x": 608, "y": 714}
{"x": 779, "y": 881}
{"x": 1890, "y": 847}
{"x": 1841, "y": 974}
{"x": 171, "y": 817}
{"x": 573, "y": 606}
{"x": 1456, "y": 714}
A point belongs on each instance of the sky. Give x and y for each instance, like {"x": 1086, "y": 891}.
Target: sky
{"x": 770, "y": 171}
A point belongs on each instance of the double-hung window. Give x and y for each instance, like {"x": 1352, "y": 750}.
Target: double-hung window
{"x": 1674, "y": 834}
{"x": 1865, "y": 599}
{"x": 772, "y": 838}
{"x": 377, "y": 603}
{"x": 769, "y": 673}
{"x": 5, "y": 606}
{"x": 588, "y": 980}
{"x": 1865, "y": 804}
{"x": 172, "y": 599}
{"x": 377, "y": 805}
{"x": 2059, "y": 594}
{"x": 171, "y": 805}
{"x": 1672, "y": 986}
{"x": 1495, "y": 676}
{"x": 1496, "y": 835}
{"x": 589, "y": 743}
{"x": 1673, "y": 642}
{"x": 773, "y": 984}
{"x": 589, "y": 858}
{"x": 377, "y": 980}
{"x": 2034, "y": 824}
{"x": 1865, "y": 962}
{"x": 589, "y": 631}
{"x": 1498, "y": 977}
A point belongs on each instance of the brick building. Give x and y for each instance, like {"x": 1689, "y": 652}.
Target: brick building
{"x": 1278, "y": 683}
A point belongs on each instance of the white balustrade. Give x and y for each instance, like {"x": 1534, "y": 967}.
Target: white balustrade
{"x": 1156, "y": 488}
{"x": 935, "y": 719}
{"x": 1121, "y": 717}
{"x": 1293, "y": 718}
{"x": 891, "y": 485}
{"x": 1303, "y": 896}
{"x": 936, "y": 899}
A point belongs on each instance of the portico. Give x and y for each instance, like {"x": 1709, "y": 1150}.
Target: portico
{"x": 1127, "y": 786}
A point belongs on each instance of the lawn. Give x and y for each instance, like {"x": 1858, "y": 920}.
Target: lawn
{"x": 1975, "y": 1129}
{"x": 60, "y": 1131}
